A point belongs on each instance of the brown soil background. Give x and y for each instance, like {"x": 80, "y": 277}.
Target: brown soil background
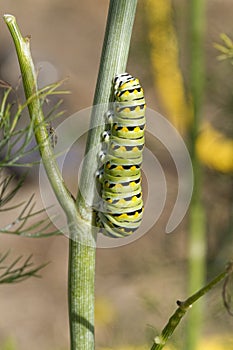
{"x": 143, "y": 280}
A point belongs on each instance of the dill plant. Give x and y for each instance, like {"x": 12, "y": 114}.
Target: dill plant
{"x": 79, "y": 216}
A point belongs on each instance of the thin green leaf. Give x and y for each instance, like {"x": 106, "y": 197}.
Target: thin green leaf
{"x": 15, "y": 274}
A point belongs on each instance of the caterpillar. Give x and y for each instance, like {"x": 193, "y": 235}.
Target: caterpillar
{"x": 122, "y": 204}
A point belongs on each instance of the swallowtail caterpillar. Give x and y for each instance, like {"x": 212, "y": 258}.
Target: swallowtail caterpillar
{"x": 122, "y": 204}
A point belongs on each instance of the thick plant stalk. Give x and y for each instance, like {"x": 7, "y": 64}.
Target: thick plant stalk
{"x": 82, "y": 247}
{"x": 197, "y": 233}
{"x": 114, "y": 58}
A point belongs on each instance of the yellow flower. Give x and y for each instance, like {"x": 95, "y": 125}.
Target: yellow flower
{"x": 165, "y": 63}
{"x": 215, "y": 150}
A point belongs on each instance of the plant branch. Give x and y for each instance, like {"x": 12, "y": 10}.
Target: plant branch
{"x": 184, "y": 306}
{"x": 16, "y": 273}
{"x": 226, "y": 49}
{"x": 27, "y": 68}
{"x": 37, "y": 229}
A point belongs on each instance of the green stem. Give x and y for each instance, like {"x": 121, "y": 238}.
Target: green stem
{"x": 29, "y": 78}
{"x": 197, "y": 237}
{"x": 113, "y": 60}
{"x": 184, "y": 306}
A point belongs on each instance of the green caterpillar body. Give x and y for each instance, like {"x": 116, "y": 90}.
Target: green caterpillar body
{"x": 122, "y": 208}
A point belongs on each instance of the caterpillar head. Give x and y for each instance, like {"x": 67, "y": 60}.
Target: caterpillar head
{"x": 121, "y": 79}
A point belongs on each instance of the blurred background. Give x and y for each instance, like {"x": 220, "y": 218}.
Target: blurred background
{"x": 137, "y": 285}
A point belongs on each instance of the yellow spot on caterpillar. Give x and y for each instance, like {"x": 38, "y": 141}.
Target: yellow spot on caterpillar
{"x": 124, "y": 129}
{"x": 122, "y": 149}
{"x": 134, "y": 198}
{"x": 119, "y": 167}
{"x": 137, "y": 129}
{"x": 133, "y": 167}
{"x": 126, "y": 93}
{"x": 135, "y": 149}
{"x": 132, "y": 184}
{"x": 123, "y": 216}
